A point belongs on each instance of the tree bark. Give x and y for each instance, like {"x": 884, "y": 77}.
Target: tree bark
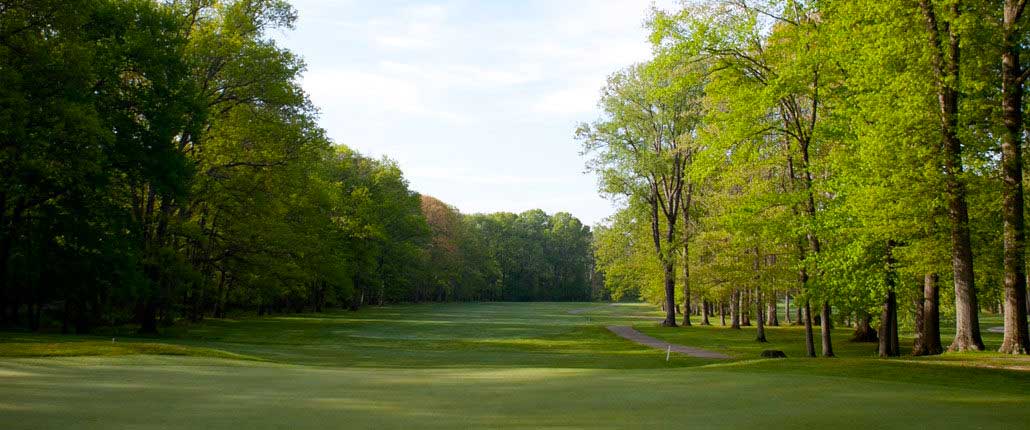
{"x": 759, "y": 318}
{"x": 722, "y": 313}
{"x": 669, "y": 304}
{"x": 929, "y": 340}
{"x": 705, "y": 309}
{"x": 809, "y": 337}
{"x": 670, "y": 296}
{"x": 735, "y": 310}
{"x": 863, "y": 330}
{"x": 1016, "y": 339}
{"x": 889, "y": 346}
{"x": 745, "y": 308}
{"x": 771, "y": 318}
{"x": 919, "y": 321}
{"x": 825, "y": 330}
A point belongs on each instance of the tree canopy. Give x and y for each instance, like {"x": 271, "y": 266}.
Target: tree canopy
{"x": 850, "y": 154}
{"x": 164, "y": 157}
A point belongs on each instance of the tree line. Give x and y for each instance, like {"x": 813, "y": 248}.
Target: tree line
{"x": 160, "y": 162}
{"x": 504, "y": 256}
{"x": 851, "y": 156}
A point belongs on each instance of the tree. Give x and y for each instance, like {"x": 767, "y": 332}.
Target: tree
{"x": 944, "y": 39}
{"x": 770, "y": 51}
{"x": 642, "y": 150}
{"x": 1013, "y": 77}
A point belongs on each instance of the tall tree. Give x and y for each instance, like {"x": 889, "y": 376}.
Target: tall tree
{"x": 771, "y": 50}
{"x": 1013, "y": 77}
{"x": 943, "y": 35}
{"x": 639, "y": 151}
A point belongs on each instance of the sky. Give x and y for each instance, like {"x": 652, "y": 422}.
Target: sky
{"x": 476, "y": 100}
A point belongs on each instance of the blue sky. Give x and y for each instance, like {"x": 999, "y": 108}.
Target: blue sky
{"x": 476, "y": 100}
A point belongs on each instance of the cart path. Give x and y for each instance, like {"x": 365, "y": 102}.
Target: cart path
{"x": 592, "y": 308}
{"x": 630, "y": 333}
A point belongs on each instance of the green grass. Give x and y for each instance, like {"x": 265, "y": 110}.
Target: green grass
{"x": 42, "y": 347}
{"x": 487, "y": 365}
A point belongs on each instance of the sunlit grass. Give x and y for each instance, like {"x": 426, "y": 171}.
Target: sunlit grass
{"x": 488, "y": 365}
{"x": 107, "y": 349}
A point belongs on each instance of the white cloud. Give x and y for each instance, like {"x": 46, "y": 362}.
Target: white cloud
{"x": 371, "y": 93}
{"x": 578, "y": 99}
{"x": 412, "y": 28}
{"x": 465, "y": 177}
{"x": 369, "y": 90}
{"x": 471, "y": 96}
{"x": 403, "y": 42}
{"x": 462, "y": 75}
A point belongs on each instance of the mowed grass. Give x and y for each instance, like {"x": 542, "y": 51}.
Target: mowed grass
{"x": 487, "y": 365}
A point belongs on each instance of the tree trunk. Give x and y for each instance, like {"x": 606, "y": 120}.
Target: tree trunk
{"x": 919, "y": 321}
{"x": 745, "y": 308}
{"x": 929, "y": 341}
{"x": 863, "y": 330}
{"x": 825, "y": 329}
{"x": 771, "y": 318}
{"x": 705, "y": 309}
{"x": 945, "y": 64}
{"x": 735, "y": 310}
{"x": 669, "y": 302}
{"x": 722, "y": 312}
{"x": 809, "y": 338}
{"x": 686, "y": 254}
{"x": 1017, "y": 338}
{"x": 670, "y": 296}
{"x": 889, "y": 346}
{"x": 759, "y": 318}
{"x": 888, "y": 335}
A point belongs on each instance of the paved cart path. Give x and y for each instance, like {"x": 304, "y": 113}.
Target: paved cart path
{"x": 643, "y": 339}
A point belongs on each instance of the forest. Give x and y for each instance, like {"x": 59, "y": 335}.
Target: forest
{"x": 161, "y": 162}
{"x": 857, "y": 161}
{"x": 788, "y": 214}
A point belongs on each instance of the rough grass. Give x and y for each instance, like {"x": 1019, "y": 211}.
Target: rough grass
{"x": 487, "y": 365}
{"x": 100, "y": 348}
{"x": 791, "y": 339}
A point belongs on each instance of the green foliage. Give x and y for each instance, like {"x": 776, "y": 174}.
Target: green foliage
{"x": 532, "y": 255}
{"x": 818, "y": 151}
{"x": 165, "y": 158}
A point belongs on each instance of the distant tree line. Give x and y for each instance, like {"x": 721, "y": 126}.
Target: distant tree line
{"x": 159, "y": 161}
{"x": 846, "y": 158}
{"x": 530, "y": 256}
